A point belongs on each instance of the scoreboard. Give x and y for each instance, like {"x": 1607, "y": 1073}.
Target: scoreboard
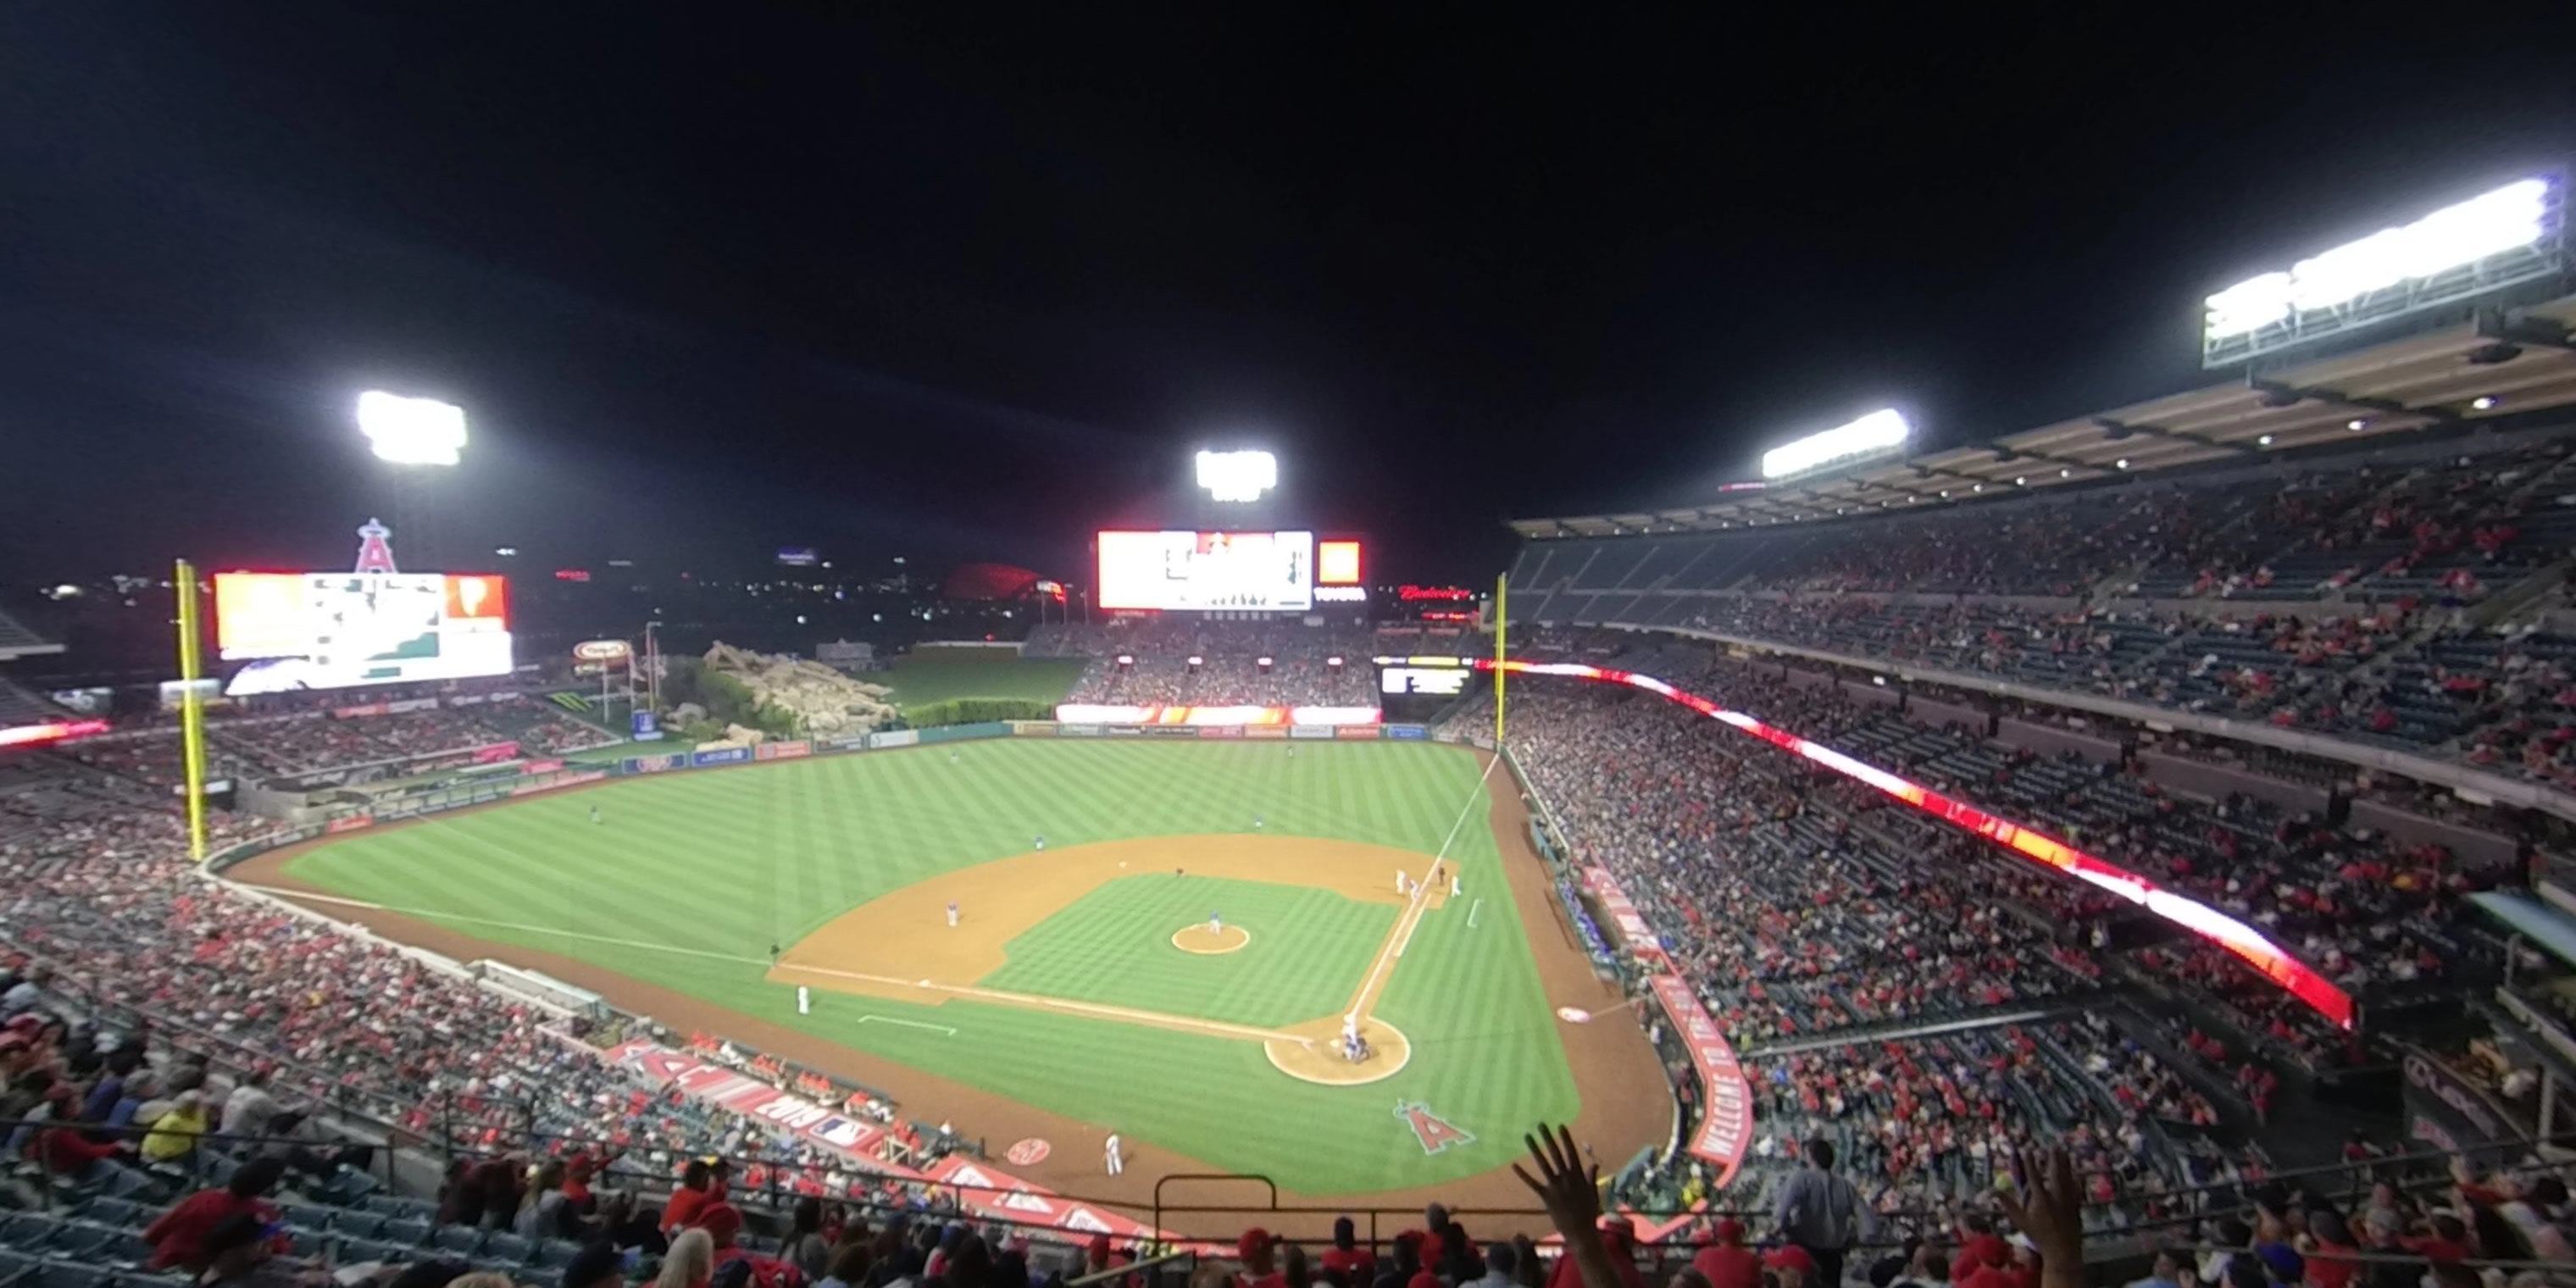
{"x": 1415, "y": 689}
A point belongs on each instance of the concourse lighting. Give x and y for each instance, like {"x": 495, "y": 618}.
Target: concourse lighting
{"x": 2120, "y": 464}
{"x": 412, "y": 431}
{"x": 2266, "y": 440}
{"x": 2349, "y": 424}
{"x": 2484, "y": 402}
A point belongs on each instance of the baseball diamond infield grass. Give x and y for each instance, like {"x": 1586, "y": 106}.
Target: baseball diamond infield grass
{"x": 689, "y": 880}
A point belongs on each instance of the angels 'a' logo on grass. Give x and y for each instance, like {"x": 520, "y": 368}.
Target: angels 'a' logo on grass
{"x": 1434, "y": 1132}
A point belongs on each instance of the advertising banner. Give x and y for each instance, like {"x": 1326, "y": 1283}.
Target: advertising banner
{"x": 2448, "y": 1112}
{"x": 1634, "y": 934}
{"x": 1271, "y": 732}
{"x": 541, "y": 767}
{"x": 1096, "y": 713}
{"x": 962, "y": 732}
{"x": 568, "y": 780}
{"x": 1032, "y": 728}
{"x": 1407, "y": 733}
{"x": 409, "y": 705}
{"x": 1168, "y": 731}
{"x": 1003, "y": 1197}
{"x": 1222, "y": 731}
{"x": 1309, "y": 731}
{"x": 359, "y": 712}
{"x": 715, "y": 1084}
{"x": 1077, "y": 731}
{"x": 782, "y": 750}
{"x": 1122, "y": 731}
{"x": 657, "y": 764}
{"x": 720, "y": 756}
{"x": 470, "y": 699}
{"x": 1356, "y": 733}
{"x": 1726, "y": 1120}
{"x": 494, "y": 753}
{"x": 350, "y": 824}
{"x": 848, "y": 742}
{"x": 894, "y": 738}
{"x": 646, "y": 726}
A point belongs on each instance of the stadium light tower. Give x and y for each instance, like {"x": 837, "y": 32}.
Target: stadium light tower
{"x": 412, "y": 431}
{"x": 1237, "y": 476}
{"x": 422, "y": 438}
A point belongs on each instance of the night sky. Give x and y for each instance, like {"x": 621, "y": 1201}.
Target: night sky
{"x": 965, "y": 281}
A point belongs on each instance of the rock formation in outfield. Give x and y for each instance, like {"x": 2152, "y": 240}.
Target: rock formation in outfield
{"x": 824, "y": 701}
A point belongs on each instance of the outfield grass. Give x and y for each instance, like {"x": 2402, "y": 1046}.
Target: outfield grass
{"x": 727, "y": 862}
{"x": 936, "y": 675}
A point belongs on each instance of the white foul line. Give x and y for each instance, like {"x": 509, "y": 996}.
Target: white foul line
{"x": 1411, "y": 920}
{"x": 909, "y": 1024}
{"x": 1477, "y": 907}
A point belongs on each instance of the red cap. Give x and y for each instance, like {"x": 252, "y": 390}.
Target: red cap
{"x": 1990, "y": 1249}
{"x": 1100, "y": 1249}
{"x": 1790, "y": 1258}
{"x": 1252, "y": 1241}
{"x": 1730, "y": 1230}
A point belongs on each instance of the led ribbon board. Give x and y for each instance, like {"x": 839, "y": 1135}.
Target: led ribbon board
{"x": 2302, "y": 981}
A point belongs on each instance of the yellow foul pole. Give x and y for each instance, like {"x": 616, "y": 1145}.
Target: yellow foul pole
{"x": 1502, "y": 630}
{"x": 192, "y": 712}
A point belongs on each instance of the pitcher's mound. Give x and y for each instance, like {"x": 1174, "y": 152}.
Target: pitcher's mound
{"x": 1199, "y": 939}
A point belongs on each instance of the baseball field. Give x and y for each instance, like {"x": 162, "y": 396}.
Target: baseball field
{"x": 1176, "y": 962}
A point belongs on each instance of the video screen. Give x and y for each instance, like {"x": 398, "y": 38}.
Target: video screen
{"x": 337, "y": 630}
{"x": 1185, "y": 571}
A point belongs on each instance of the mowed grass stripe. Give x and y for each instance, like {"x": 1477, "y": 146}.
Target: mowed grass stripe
{"x": 681, "y": 861}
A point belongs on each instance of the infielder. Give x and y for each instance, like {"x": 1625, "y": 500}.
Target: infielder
{"x": 1040, "y": 843}
{"x": 952, "y": 914}
{"x": 1402, "y": 885}
{"x": 1216, "y": 924}
{"x": 1115, "y": 1161}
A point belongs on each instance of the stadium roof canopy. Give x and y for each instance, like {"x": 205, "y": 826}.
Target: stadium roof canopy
{"x": 2524, "y": 362}
{"x": 18, "y": 641}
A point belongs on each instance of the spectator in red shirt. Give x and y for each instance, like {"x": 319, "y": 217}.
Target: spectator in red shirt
{"x": 701, "y": 1183}
{"x": 1254, "y": 1251}
{"x": 1727, "y": 1263}
{"x": 179, "y": 1237}
{"x": 1791, "y": 1265}
{"x": 1989, "y": 1253}
{"x": 1357, "y": 1265}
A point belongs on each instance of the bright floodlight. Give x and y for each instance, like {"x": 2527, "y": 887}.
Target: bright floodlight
{"x": 2509, "y": 218}
{"x": 1878, "y": 431}
{"x": 412, "y": 431}
{"x": 1237, "y": 476}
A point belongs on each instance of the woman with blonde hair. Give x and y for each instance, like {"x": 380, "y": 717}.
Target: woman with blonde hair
{"x": 691, "y": 1262}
